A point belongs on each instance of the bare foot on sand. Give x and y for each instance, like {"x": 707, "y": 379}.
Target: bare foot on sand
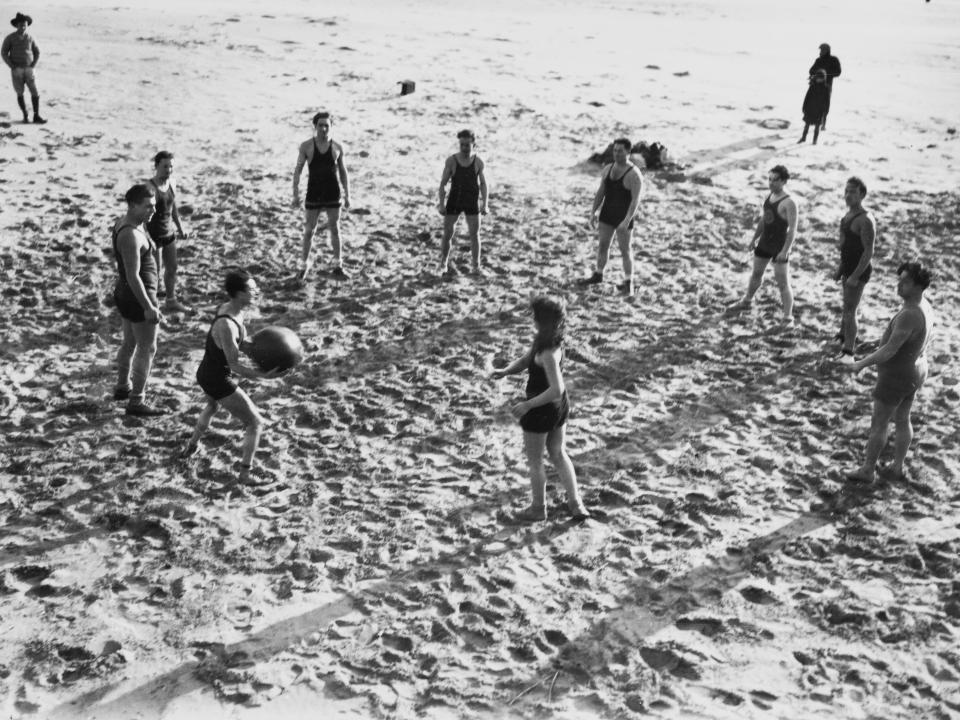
{"x": 861, "y": 475}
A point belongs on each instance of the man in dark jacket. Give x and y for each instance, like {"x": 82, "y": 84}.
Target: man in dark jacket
{"x": 831, "y": 65}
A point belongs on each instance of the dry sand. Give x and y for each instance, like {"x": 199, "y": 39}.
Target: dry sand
{"x": 727, "y": 573}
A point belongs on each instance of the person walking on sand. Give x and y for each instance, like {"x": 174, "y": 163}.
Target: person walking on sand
{"x": 831, "y": 66}
{"x": 328, "y": 188}
{"x": 161, "y": 226}
{"x": 226, "y": 340}
{"x": 815, "y": 105}
{"x": 901, "y": 362}
{"x": 468, "y": 196}
{"x": 21, "y": 54}
{"x": 543, "y": 415}
{"x": 615, "y": 205}
{"x": 858, "y": 233}
{"x": 135, "y": 296}
{"x": 773, "y": 240}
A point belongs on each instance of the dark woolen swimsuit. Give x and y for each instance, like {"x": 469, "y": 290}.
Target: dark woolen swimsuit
{"x": 323, "y": 185}
{"x": 127, "y": 304}
{"x": 547, "y": 417}
{"x": 616, "y": 199}
{"x": 851, "y": 250}
{"x": 214, "y": 374}
{"x": 774, "y": 235}
{"x": 464, "y": 190}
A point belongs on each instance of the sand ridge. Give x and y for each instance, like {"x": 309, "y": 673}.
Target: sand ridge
{"x": 728, "y": 572}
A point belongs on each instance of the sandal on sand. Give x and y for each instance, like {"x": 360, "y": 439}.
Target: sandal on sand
{"x": 579, "y": 512}
{"x": 531, "y": 513}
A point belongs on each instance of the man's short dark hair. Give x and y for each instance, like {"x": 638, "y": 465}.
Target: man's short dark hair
{"x": 781, "y": 172}
{"x": 468, "y": 134}
{"x": 861, "y": 185}
{"x": 137, "y": 194}
{"x": 322, "y": 115}
{"x": 236, "y": 282}
{"x": 624, "y": 143}
{"x": 161, "y": 156}
{"x": 917, "y": 272}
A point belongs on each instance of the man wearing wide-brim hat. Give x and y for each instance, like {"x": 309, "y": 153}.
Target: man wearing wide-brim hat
{"x": 21, "y": 53}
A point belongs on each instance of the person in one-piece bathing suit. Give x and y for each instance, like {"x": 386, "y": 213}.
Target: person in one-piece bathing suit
{"x": 543, "y": 415}
{"x": 858, "y": 234}
{"x": 901, "y": 362}
{"x": 226, "y": 340}
{"x": 468, "y": 196}
{"x": 615, "y": 206}
{"x": 328, "y": 188}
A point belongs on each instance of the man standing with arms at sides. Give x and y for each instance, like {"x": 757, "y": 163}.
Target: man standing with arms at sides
{"x": 901, "y": 362}
{"x": 468, "y": 196}
{"x": 831, "y": 65}
{"x": 857, "y": 236}
{"x": 773, "y": 240}
{"x": 326, "y": 173}
{"x": 135, "y": 295}
{"x": 616, "y": 202}
{"x": 161, "y": 226}
{"x": 21, "y": 55}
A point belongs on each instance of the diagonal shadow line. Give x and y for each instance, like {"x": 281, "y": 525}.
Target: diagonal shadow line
{"x": 715, "y": 153}
{"x": 158, "y": 692}
{"x": 634, "y": 623}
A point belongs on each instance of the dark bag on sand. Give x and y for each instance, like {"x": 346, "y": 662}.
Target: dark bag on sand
{"x": 654, "y": 155}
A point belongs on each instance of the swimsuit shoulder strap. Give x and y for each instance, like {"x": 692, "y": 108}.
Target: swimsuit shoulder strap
{"x": 232, "y": 319}
{"x": 117, "y": 229}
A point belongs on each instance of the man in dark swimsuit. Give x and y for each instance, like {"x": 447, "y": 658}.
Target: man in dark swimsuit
{"x": 831, "y": 66}
{"x": 616, "y": 203}
{"x": 901, "y": 362}
{"x": 135, "y": 296}
{"x": 161, "y": 226}
{"x": 857, "y": 237}
{"x": 773, "y": 240}
{"x": 468, "y": 196}
{"x": 326, "y": 174}
{"x": 226, "y": 339}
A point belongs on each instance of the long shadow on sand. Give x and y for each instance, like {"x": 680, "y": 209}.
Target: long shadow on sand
{"x": 632, "y": 623}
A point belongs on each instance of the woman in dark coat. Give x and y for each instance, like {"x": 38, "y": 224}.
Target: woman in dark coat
{"x": 815, "y": 105}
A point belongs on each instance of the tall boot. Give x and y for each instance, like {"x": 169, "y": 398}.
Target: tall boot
{"x": 23, "y": 108}
{"x": 36, "y": 110}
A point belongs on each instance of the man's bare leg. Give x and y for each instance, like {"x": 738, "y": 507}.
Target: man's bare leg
{"x": 449, "y": 225}
{"x": 879, "y": 427}
{"x": 310, "y": 217}
{"x": 848, "y": 324}
{"x": 904, "y": 435}
{"x": 473, "y": 227}
{"x": 624, "y": 238}
{"x": 753, "y": 284}
{"x": 781, "y": 272}
{"x": 241, "y": 407}
{"x": 333, "y": 226}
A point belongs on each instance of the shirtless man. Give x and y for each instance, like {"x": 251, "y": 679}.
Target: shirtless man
{"x": 226, "y": 340}
{"x": 901, "y": 362}
{"x": 162, "y": 223}
{"x": 468, "y": 196}
{"x": 326, "y": 173}
{"x": 616, "y": 203}
{"x": 773, "y": 240}
{"x": 857, "y": 236}
{"x": 135, "y": 295}
{"x": 21, "y": 54}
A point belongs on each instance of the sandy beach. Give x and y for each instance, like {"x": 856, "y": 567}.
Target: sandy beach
{"x": 728, "y": 570}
